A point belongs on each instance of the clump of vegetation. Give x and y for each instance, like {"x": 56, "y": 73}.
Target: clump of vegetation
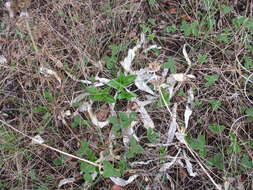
{"x": 133, "y": 95}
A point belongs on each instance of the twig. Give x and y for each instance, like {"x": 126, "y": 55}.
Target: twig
{"x": 49, "y": 147}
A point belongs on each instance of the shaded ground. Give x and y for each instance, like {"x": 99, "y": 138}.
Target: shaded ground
{"x": 79, "y": 37}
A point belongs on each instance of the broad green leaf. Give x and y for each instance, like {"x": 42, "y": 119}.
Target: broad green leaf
{"x": 134, "y": 148}
{"x": 210, "y": 80}
{"x": 109, "y": 171}
{"x": 246, "y": 161}
{"x": 198, "y": 144}
{"x": 100, "y": 95}
{"x": 170, "y": 64}
{"x": 217, "y": 161}
{"x": 153, "y": 136}
{"x": 202, "y": 58}
{"x": 234, "y": 146}
{"x": 216, "y": 128}
{"x": 40, "y": 109}
{"x": 215, "y": 104}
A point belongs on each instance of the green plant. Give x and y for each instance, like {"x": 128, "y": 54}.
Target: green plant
{"x": 113, "y": 58}
{"x": 86, "y": 168}
{"x": 170, "y": 64}
{"x": 164, "y": 97}
{"x": 215, "y": 104}
{"x": 100, "y": 95}
{"x": 110, "y": 171}
{"x": 134, "y": 148}
{"x": 217, "y": 160}
{"x": 210, "y": 79}
{"x": 246, "y": 162}
{"x": 152, "y": 2}
{"x": 234, "y": 146}
{"x": 171, "y": 29}
{"x": 202, "y": 58}
{"x": 78, "y": 121}
{"x": 120, "y": 83}
{"x": 153, "y": 136}
{"x": 121, "y": 121}
{"x": 216, "y": 128}
{"x": 198, "y": 144}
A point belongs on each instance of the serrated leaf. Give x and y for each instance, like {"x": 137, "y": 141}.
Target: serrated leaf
{"x": 109, "y": 170}
{"x": 246, "y": 162}
{"x": 216, "y": 128}
{"x": 217, "y": 161}
{"x": 134, "y": 148}
{"x": 153, "y": 136}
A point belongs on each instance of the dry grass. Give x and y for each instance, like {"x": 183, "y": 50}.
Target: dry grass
{"x": 74, "y": 36}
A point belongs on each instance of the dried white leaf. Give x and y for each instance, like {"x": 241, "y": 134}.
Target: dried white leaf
{"x": 79, "y": 98}
{"x": 24, "y": 14}
{"x": 167, "y": 165}
{"x": 145, "y": 117}
{"x": 77, "y": 80}
{"x": 9, "y": 9}
{"x": 88, "y": 107}
{"x": 152, "y": 47}
{"x": 143, "y": 77}
{"x": 127, "y": 62}
{"x": 188, "y": 110}
{"x": 37, "y": 140}
{"x": 186, "y": 56}
{"x": 66, "y": 181}
{"x": 47, "y": 72}
{"x": 3, "y": 60}
{"x": 122, "y": 182}
{"x": 181, "y": 137}
{"x": 128, "y": 133}
{"x": 173, "y": 125}
{"x": 133, "y": 164}
{"x": 189, "y": 166}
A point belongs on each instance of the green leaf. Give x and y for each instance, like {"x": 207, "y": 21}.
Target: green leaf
{"x": 40, "y": 109}
{"x": 166, "y": 96}
{"x": 225, "y": 9}
{"x": 246, "y": 162}
{"x": 171, "y": 29}
{"x": 145, "y": 28}
{"x": 186, "y": 28}
{"x": 211, "y": 79}
{"x": 216, "y": 128}
{"x": 78, "y": 121}
{"x": 170, "y": 64}
{"x": 134, "y": 148}
{"x": 122, "y": 81}
{"x": 88, "y": 170}
{"x": 123, "y": 94}
{"x": 202, "y": 58}
{"x": 197, "y": 103}
{"x": 153, "y": 136}
{"x": 100, "y": 95}
{"x": 152, "y": 2}
{"x": 217, "y": 161}
{"x": 109, "y": 171}
{"x": 234, "y": 146}
{"x": 152, "y": 21}
{"x": 249, "y": 111}
{"x": 122, "y": 120}
{"x": 198, "y": 144}
{"x": 215, "y": 104}
{"x": 248, "y": 63}
{"x": 48, "y": 96}
{"x": 122, "y": 167}
{"x": 58, "y": 161}
{"x": 84, "y": 150}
